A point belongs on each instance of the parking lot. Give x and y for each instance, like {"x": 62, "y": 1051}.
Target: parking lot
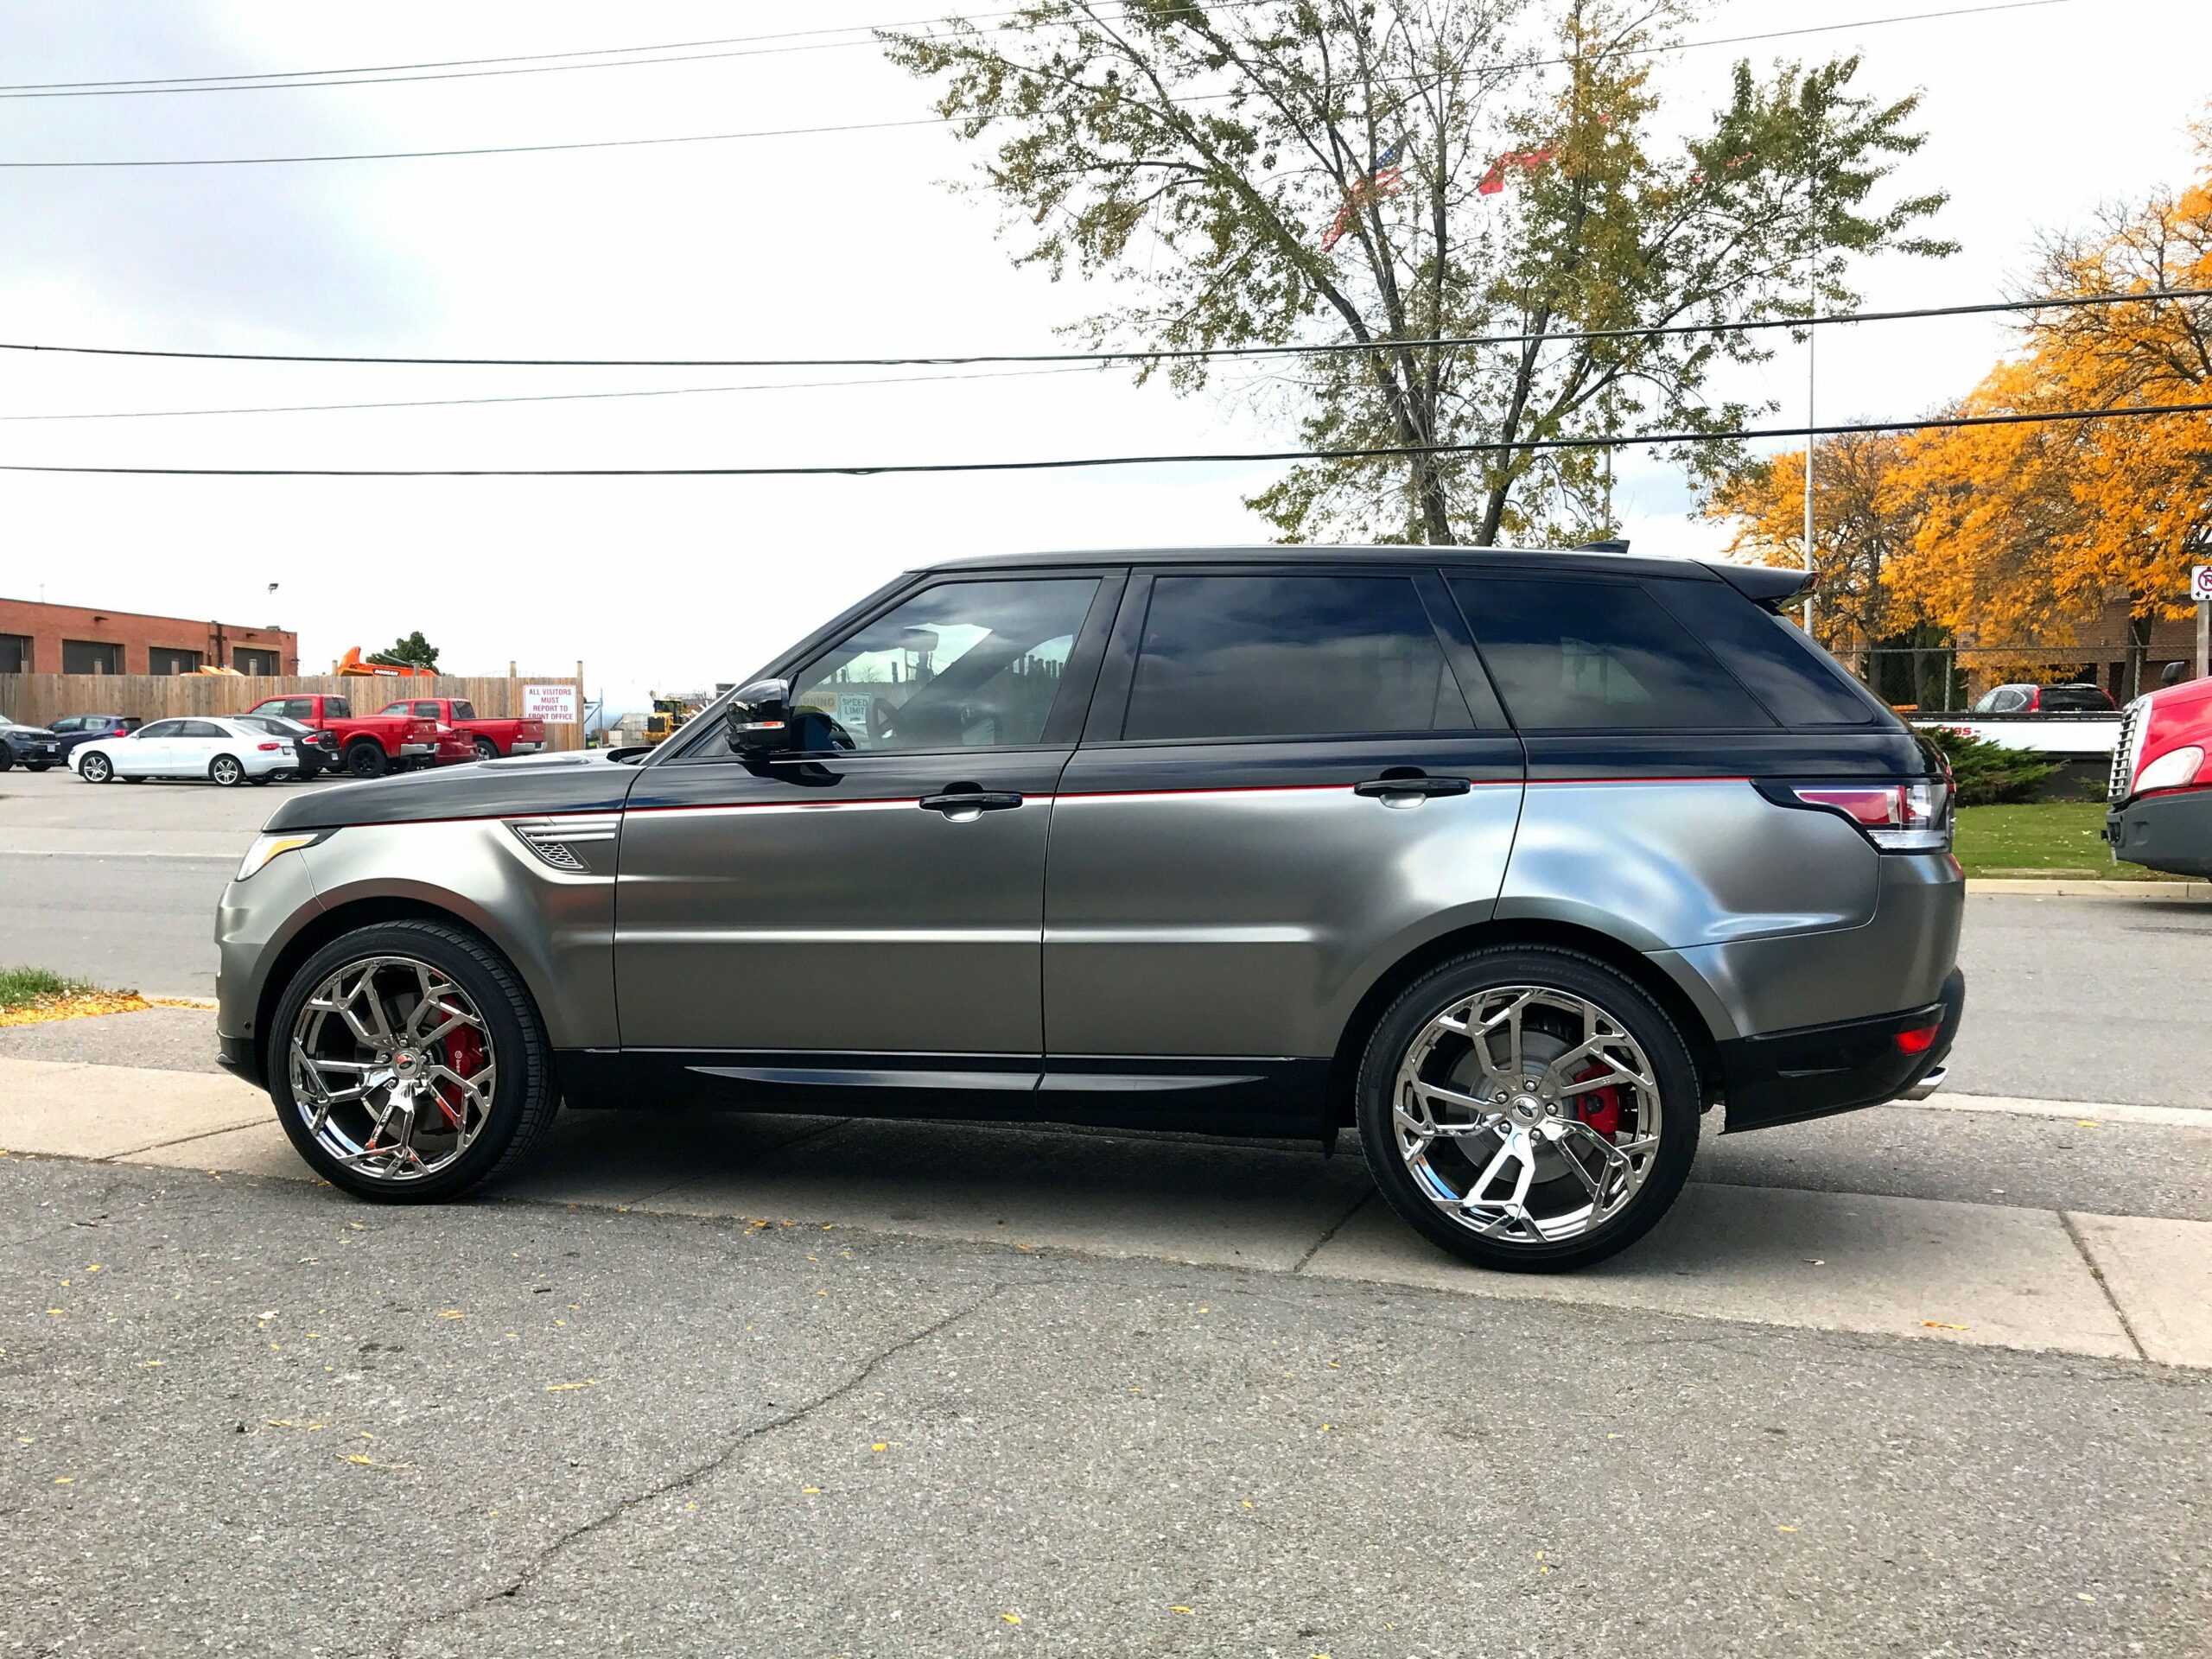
{"x": 1926, "y": 1378}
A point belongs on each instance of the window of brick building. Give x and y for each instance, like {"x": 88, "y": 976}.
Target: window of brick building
{"x": 169, "y": 659}
{"x": 248, "y": 661}
{"x": 91, "y": 657}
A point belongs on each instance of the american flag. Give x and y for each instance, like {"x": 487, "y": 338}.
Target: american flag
{"x": 1382, "y": 179}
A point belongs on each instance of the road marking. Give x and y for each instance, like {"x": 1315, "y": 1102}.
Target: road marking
{"x": 2179, "y": 1117}
{"x": 200, "y": 858}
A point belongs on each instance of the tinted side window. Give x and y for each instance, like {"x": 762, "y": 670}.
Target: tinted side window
{"x": 964, "y": 664}
{"x": 332, "y": 708}
{"x": 464, "y": 710}
{"x": 163, "y": 728}
{"x": 1800, "y": 684}
{"x": 1259, "y": 657}
{"x": 202, "y": 729}
{"x": 1597, "y": 656}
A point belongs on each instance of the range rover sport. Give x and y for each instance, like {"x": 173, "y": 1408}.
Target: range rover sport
{"x": 1524, "y": 866}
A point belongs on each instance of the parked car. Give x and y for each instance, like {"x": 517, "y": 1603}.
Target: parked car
{"x": 491, "y": 737}
{"x": 1520, "y": 863}
{"x": 371, "y": 745}
{"x": 318, "y": 751}
{"x": 72, "y": 731}
{"x": 2075, "y": 698}
{"x": 228, "y": 751}
{"x": 33, "y": 747}
{"x": 2161, "y": 790}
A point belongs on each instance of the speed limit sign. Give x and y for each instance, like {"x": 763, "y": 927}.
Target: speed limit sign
{"x": 2200, "y": 583}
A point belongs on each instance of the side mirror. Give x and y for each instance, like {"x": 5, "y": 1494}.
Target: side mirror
{"x": 2171, "y": 675}
{"x": 758, "y": 720}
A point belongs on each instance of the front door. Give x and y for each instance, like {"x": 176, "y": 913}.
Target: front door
{"x": 147, "y": 751}
{"x": 880, "y": 892}
{"x": 1288, "y": 778}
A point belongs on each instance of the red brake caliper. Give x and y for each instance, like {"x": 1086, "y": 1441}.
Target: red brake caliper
{"x": 1601, "y": 1108}
{"x": 464, "y": 1052}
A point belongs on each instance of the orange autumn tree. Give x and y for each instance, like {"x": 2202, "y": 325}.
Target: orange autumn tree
{"x": 1859, "y": 525}
{"x": 2030, "y": 531}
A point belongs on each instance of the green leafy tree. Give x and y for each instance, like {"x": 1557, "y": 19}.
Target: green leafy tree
{"x": 413, "y": 652}
{"x": 1195, "y": 153}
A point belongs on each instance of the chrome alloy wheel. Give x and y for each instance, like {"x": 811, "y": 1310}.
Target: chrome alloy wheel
{"x": 1526, "y": 1114}
{"x": 392, "y": 1068}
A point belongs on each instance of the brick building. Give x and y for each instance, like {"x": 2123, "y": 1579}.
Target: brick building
{"x": 38, "y": 638}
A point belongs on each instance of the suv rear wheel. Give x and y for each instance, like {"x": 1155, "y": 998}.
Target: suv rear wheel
{"x": 1528, "y": 1108}
{"x": 366, "y": 758}
{"x": 408, "y": 1062}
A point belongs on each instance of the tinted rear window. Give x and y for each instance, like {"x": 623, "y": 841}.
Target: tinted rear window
{"x": 1800, "y": 684}
{"x": 1260, "y": 657}
{"x": 1572, "y": 655}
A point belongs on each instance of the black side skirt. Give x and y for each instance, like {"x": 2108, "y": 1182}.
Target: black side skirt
{"x": 1271, "y": 1098}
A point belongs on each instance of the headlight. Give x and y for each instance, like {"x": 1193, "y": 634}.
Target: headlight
{"x": 266, "y": 848}
{"x": 2175, "y": 769}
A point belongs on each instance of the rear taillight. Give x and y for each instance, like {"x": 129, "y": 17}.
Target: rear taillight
{"x": 1897, "y": 817}
{"x": 269, "y": 749}
{"x": 1918, "y": 1041}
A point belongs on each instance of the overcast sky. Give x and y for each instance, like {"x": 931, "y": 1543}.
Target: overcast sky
{"x": 840, "y": 244}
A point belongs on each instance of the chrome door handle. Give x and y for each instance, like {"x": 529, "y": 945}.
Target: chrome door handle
{"x": 1387, "y": 787}
{"x": 966, "y": 805}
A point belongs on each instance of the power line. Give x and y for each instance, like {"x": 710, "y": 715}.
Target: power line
{"x": 545, "y": 397}
{"x": 1066, "y": 463}
{"x": 278, "y": 79}
{"x": 620, "y": 57}
{"x": 1158, "y": 354}
{"x": 453, "y": 152}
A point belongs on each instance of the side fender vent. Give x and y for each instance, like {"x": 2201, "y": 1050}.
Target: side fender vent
{"x": 568, "y": 844}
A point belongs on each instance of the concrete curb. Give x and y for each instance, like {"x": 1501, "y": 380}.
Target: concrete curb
{"x": 2199, "y": 893}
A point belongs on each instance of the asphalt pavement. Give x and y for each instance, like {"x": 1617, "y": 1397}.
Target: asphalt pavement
{"x": 246, "y": 1417}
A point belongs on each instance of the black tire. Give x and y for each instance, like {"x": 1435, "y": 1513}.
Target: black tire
{"x": 486, "y": 749}
{"x": 523, "y": 1100}
{"x": 1577, "y": 975}
{"x": 96, "y": 769}
{"x": 36, "y": 766}
{"x": 7, "y": 757}
{"x": 227, "y": 770}
{"x": 367, "y": 760}
{"x": 263, "y": 778}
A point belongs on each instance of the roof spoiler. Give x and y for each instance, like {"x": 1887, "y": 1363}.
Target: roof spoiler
{"x": 1615, "y": 544}
{"x": 1769, "y": 585}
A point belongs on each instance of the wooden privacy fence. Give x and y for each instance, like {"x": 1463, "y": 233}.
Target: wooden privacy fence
{"x": 41, "y": 699}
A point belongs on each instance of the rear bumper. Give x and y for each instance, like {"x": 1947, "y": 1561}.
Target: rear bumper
{"x": 2170, "y": 832}
{"x": 1815, "y": 1071}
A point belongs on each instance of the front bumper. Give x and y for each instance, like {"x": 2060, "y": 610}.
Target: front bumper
{"x": 2172, "y": 832}
{"x": 1816, "y": 1070}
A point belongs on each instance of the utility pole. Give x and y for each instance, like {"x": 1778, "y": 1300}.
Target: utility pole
{"x": 1812, "y": 333}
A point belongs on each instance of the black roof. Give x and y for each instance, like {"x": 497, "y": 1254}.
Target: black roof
{"x": 1764, "y": 583}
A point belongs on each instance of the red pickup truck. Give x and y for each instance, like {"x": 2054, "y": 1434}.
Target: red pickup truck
{"x": 371, "y": 745}
{"x": 492, "y": 738}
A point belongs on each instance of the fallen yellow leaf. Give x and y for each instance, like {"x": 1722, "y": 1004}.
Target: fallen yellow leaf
{"x": 1938, "y": 1324}
{"x": 1011, "y": 1618}
{"x": 65, "y": 1480}
{"x": 1179, "y": 1607}
{"x": 563, "y": 1388}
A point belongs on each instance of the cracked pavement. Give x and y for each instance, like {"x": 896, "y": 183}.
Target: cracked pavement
{"x": 275, "y": 1422}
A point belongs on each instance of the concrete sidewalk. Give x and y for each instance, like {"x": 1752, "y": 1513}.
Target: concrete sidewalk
{"x": 2115, "y": 1287}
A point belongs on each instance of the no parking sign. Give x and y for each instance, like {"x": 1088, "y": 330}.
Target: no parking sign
{"x": 2200, "y": 583}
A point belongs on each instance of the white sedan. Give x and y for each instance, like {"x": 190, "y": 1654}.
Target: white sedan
{"x": 226, "y": 750}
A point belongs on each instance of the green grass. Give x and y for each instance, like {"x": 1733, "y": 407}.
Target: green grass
{"x": 19, "y": 986}
{"x": 2048, "y": 838}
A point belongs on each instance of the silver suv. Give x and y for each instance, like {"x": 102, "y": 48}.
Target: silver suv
{"x": 1521, "y": 863}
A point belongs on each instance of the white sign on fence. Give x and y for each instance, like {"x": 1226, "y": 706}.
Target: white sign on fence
{"x": 2200, "y": 583}
{"x": 554, "y": 704}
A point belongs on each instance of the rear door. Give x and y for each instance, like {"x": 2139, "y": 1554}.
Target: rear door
{"x": 1288, "y": 771}
{"x": 881, "y": 892}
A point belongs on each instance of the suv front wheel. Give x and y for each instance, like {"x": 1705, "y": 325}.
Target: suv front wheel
{"x": 407, "y": 1063}
{"x": 1528, "y": 1108}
